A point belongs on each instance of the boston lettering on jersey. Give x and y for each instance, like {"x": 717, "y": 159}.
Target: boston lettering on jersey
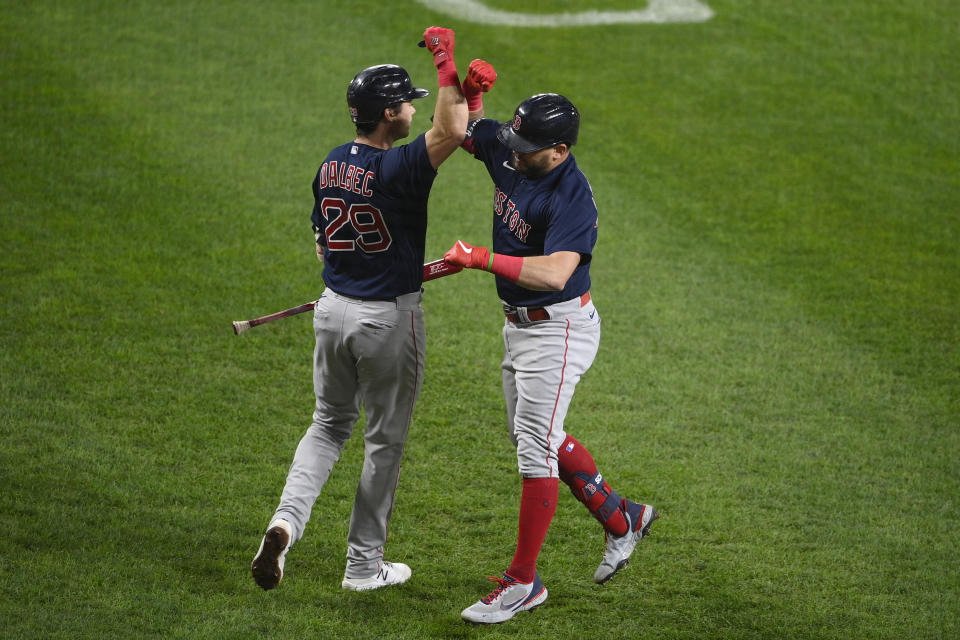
{"x": 347, "y": 177}
{"x": 510, "y": 215}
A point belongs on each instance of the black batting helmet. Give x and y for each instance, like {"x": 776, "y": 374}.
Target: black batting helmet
{"x": 376, "y": 88}
{"x": 541, "y": 121}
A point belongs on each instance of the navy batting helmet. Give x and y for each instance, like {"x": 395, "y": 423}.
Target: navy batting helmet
{"x": 376, "y": 88}
{"x": 541, "y": 121}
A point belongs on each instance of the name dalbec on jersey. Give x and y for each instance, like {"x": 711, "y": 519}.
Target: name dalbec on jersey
{"x": 349, "y": 178}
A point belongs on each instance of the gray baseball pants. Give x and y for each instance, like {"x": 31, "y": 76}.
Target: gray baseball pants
{"x": 368, "y": 353}
{"x": 542, "y": 364}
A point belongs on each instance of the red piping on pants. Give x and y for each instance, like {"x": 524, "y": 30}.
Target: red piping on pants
{"x": 566, "y": 347}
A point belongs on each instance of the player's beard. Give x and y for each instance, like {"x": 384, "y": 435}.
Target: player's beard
{"x": 530, "y": 167}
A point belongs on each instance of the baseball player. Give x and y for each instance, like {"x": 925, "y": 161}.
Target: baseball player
{"x": 370, "y": 218}
{"x": 544, "y": 231}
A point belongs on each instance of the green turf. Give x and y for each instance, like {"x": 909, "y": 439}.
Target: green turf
{"x": 778, "y": 271}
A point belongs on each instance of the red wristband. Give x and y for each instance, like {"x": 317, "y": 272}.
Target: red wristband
{"x": 474, "y": 101}
{"x": 447, "y": 73}
{"x": 507, "y": 267}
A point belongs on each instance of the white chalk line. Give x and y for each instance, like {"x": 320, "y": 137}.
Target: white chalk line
{"x": 657, "y": 12}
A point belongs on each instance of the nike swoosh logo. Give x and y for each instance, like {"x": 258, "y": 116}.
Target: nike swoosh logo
{"x": 592, "y": 313}
{"x": 464, "y": 247}
{"x": 506, "y": 163}
{"x": 514, "y": 604}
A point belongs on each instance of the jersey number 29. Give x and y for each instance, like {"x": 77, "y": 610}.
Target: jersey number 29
{"x": 371, "y": 234}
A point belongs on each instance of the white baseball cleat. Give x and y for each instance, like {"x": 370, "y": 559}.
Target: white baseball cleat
{"x": 389, "y": 573}
{"x": 508, "y": 599}
{"x": 617, "y": 554}
{"x": 267, "y": 565}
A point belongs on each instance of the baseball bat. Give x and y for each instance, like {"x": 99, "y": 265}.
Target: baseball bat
{"x": 431, "y": 271}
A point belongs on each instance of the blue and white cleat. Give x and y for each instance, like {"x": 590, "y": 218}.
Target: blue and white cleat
{"x": 508, "y": 599}
{"x": 617, "y": 554}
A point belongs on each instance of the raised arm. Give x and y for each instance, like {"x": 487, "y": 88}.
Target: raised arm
{"x": 480, "y": 77}
{"x": 450, "y": 114}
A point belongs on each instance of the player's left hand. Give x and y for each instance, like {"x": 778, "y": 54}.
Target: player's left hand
{"x": 480, "y": 77}
{"x": 464, "y": 255}
{"x": 440, "y": 42}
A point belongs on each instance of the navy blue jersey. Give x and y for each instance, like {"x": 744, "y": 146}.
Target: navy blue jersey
{"x": 537, "y": 216}
{"x": 371, "y": 207}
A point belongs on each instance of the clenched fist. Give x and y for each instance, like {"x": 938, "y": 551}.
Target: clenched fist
{"x": 462, "y": 254}
{"x": 440, "y": 42}
{"x": 480, "y": 77}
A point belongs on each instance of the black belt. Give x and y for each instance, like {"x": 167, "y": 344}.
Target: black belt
{"x": 536, "y": 314}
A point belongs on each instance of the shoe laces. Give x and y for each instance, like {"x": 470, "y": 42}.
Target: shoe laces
{"x": 503, "y": 583}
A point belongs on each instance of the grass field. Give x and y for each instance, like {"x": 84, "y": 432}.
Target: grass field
{"x": 778, "y": 271}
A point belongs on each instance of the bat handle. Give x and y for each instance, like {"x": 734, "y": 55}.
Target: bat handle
{"x": 239, "y": 326}
{"x": 438, "y": 269}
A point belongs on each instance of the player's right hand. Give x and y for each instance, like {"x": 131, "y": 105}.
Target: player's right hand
{"x": 480, "y": 77}
{"x": 440, "y": 42}
{"x": 463, "y": 255}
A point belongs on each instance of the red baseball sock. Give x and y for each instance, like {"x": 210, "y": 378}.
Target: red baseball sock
{"x": 579, "y": 471}
{"x": 537, "y": 506}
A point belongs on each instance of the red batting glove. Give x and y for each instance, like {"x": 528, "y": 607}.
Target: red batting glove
{"x": 440, "y": 43}
{"x": 464, "y": 255}
{"x": 480, "y": 78}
